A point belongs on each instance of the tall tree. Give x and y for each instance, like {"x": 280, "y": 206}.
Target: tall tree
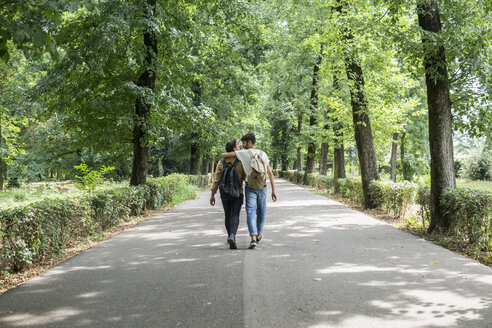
{"x": 361, "y": 121}
{"x": 394, "y": 156}
{"x": 143, "y": 105}
{"x": 323, "y": 161}
{"x": 298, "y": 163}
{"x": 338, "y": 148}
{"x": 195, "y": 148}
{"x": 311, "y": 153}
{"x": 439, "y": 103}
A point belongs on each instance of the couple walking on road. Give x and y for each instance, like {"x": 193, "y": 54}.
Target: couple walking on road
{"x": 248, "y": 165}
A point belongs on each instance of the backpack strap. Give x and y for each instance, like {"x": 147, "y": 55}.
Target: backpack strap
{"x": 235, "y": 163}
{"x": 224, "y": 163}
{"x": 251, "y": 153}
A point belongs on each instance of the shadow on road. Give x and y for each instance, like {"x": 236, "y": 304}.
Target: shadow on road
{"x": 321, "y": 265}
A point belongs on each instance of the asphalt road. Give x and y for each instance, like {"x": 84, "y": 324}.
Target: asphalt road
{"x": 321, "y": 264}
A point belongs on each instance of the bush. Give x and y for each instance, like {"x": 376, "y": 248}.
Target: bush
{"x": 326, "y": 183}
{"x": 423, "y": 199}
{"x": 351, "y": 188}
{"x": 289, "y": 175}
{"x": 20, "y": 237}
{"x": 298, "y": 177}
{"x": 14, "y": 182}
{"x": 478, "y": 165}
{"x": 310, "y": 180}
{"x": 38, "y": 230}
{"x": 470, "y": 214}
{"x": 91, "y": 179}
{"x": 393, "y": 197}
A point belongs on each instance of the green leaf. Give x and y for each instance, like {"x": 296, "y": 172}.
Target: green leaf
{"x": 19, "y": 36}
{"x": 40, "y": 36}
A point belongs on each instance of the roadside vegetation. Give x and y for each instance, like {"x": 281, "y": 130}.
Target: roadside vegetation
{"x": 343, "y": 95}
{"x": 50, "y": 229}
{"x": 406, "y": 206}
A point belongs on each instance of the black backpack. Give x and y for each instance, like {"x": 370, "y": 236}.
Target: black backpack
{"x": 229, "y": 186}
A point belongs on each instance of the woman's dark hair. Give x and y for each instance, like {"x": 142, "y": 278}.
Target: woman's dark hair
{"x": 249, "y": 137}
{"x": 231, "y": 145}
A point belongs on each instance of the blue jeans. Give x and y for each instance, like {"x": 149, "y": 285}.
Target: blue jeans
{"x": 255, "y": 209}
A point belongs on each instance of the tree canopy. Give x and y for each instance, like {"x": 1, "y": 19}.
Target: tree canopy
{"x": 305, "y": 76}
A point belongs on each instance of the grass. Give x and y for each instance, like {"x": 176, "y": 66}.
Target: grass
{"x": 186, "y": 193}
{"x": 32, "y": 193}
{"x": 474, "y": 184}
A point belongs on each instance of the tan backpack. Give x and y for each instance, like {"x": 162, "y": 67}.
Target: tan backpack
{"x": 257, "y": 176}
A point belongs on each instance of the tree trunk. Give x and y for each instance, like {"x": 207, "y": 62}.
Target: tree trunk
{"x": 195, "y": 149}
{"x": 142, "y": 109}
{"x": 298, "y": 163}
{"x": 1, "y": 174}
{"x": 402, "y": 157}
{"x": 285, "y": 165}
{"x": 440, "y": 118}
{"x": 311, "y": 155}
{"x": 338, "y": 166}
{"x": 285, "y": 149}
{"x": 339, "y": 163}
{"x": 323, "y": 163}
{"x": 1, "y": 159}
{"x": 194, "y": 159}
{"x": 338, "y": 149}
{"x": 362, "y": 124}
{"x": 205, "y": 161}
{"x": 394, "y": 156}
{"x": 363, "y": 132}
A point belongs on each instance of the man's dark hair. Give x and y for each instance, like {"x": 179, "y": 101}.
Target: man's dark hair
{"x": 231, "y": 145}
{"x": 249, "y": 137}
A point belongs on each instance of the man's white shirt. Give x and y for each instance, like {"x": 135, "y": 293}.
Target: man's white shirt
{"x": 245, "y": 158}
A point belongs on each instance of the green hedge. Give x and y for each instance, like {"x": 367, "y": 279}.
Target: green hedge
{"x": 470, "y": 214}
{"x": 393, "y": 196}
{"x": 326, "y": 183}
{"x": 43, "y": 228}
{"x": 423, "y": 199}
{"x": 351, "y": 188}
{"x": 469, "y": 211}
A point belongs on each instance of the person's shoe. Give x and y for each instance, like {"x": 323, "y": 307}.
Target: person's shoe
{"x": 259, "y": 238}
{"x": 252, "y": 244}
{"x": 232, "y": 241}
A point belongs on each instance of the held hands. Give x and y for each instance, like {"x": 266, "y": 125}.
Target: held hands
{"x": 274, "y": 196}
{"x": 212, "y": 200}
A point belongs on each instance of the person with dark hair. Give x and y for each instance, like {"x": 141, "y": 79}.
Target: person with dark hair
{"x": 256, "y": 165}
{"x": 230, "y": 184}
